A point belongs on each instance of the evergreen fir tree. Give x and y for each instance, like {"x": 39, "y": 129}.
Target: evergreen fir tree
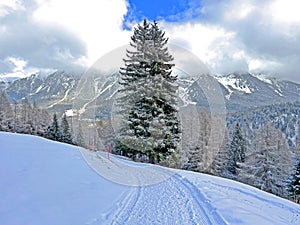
{"x": 148, "y": 97}
{"x": 236, "y": 150}
{"x": 195, "y": 160}
{"x": 53, "y": 131}
{"x": 65, "y": 129}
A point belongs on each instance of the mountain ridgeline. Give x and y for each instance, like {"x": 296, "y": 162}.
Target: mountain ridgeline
{"x": 241, "y": 91}
{"x": 53, "y": 92}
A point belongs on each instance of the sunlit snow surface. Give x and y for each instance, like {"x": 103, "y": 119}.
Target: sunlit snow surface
{"x": 233, "y": 83}
{"x": 43, "y": 182}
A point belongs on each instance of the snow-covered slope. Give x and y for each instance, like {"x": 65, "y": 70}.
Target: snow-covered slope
{"x": 244, "y": 91}
{"x": 44, "y": 182}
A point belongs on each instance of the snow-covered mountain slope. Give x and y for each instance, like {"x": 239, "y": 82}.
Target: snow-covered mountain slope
{"x": 44, "y": 182}
{"x": 58, "y": 91}
{"x": 52, "y": 92}
{"x": 2, "y": 85}
{"x": 244, "y": 91}
{"x": 240, "y": 91}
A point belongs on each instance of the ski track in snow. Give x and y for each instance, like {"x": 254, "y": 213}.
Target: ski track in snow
{"x": 269, "y": 203}
{"x": 173, "y": 201}
{"x": 45, "y": 191}
{"x": 178, "y": 199}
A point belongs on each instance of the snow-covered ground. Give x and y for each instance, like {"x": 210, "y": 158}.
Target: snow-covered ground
{"x": 44, "y": 182}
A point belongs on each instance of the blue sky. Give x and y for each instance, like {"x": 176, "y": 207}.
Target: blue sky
{"x": 167, "y": 10}
{"x": 227, "y": 35}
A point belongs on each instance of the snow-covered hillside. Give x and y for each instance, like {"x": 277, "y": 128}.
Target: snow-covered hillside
{"x": 44, "y": 182}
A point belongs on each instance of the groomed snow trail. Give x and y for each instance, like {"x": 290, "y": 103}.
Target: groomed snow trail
{"x": 46, "y": 182}
{"x": 174, "y": 200}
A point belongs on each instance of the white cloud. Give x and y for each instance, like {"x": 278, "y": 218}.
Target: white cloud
{"x": 59, "y": 34}
{"x": 97, "y": 23}
{"x": 8, "y": 6}
{"x": 238, "y": 10}
{"x": 205, "y": 41}
{"x": 260, "y": 36}
{"x": 18, "y": 63}
{"x": 285, "y": 11}
{"x": 216, "y": 47}
{"x": 20, "y": 69}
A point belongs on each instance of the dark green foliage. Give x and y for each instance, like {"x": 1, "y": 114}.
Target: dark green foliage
{"x": 123, "y": 149}
{"x": 66, "y": 133}
{"x": 148, "y": 97}
{"x": 194, "y": 160}
{"x": 53, "y": 131}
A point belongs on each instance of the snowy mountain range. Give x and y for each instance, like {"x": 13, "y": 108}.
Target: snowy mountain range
{"x": 245, "y": 91}
{"x": 57, "y": 91}
{"x": 54, "y": 92}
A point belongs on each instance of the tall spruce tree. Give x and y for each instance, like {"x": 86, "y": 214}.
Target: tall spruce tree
{"x": 236, "y": 150}
{"x": 65, "y": 131}
{"x": 148, "y": 97}
{"x": 53, "y": 131}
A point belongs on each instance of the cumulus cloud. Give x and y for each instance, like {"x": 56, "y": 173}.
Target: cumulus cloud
{"x": 41, "y": 46}
{"x": 268, "y": 32}
{"x": 98, "y": 23}
{"x": 59, "y": 34}
{"x": 212, "y": 44}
